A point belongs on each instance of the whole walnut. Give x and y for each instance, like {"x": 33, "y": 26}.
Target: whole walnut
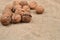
{"x": 5, "y": 20}
{"x": 6, "y": 17}
{"x": 16, "y": 18}
{"x": 26, "y": 18}
{"x": 32, "y": 4}
{"x": 26, "y": 8}
{"x": 39, "y": 9}
{"x": 23, "y": 2}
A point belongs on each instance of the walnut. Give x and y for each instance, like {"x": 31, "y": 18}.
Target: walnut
{"x": 5, "y": 20}
{"x": 6, "y": 17}
{"x": 26, "y": 18}
{"x": 39, "y": 9}
{"x": 32, "y": 4}
{"x": 16, "y": 18}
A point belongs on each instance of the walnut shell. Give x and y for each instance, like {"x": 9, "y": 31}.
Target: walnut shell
{"x": 16, "y": 18}
{"x": 6, "y": 17}
{"x": 5, "y": 20}
{"x": 39, "y": 9}
{"x": 26, "y": 18}
{"x": 32, "y": 4}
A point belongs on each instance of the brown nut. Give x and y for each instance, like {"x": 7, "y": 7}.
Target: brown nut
{"x": 39, "y": 9}
{"x": 23, "y": 2}
{"x": 26, "y": 8}
{"x": 5, "y": 20}
{"x": 32, "y": 4}
{"x": 6, "y": 17}
{"x": 26, "y": 18}
{"x": 16, "y": 18}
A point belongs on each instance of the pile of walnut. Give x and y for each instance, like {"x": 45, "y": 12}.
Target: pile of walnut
{"x": 19, "y": 11}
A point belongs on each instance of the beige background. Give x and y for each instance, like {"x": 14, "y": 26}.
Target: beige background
{"x": 45, "y": 26}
